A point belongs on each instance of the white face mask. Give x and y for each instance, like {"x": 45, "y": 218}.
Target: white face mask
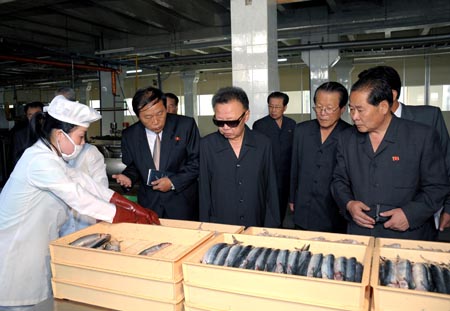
{"x": 76, "y": 149}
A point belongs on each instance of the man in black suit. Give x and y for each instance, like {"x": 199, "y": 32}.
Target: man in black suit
{"x": 237, "y": 174}
{"x": 313, "y": 162}
{"x": 428, "y": 115}
{"x": 390, "y": 176}
{"x": 23, "y": 136}
{"x": 175, "y": 195}
{"x": 280, "y": 130}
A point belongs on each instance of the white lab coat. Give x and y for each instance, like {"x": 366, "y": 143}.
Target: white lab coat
{"x": 33, "y": 206}
{"x": 91, "y": 162}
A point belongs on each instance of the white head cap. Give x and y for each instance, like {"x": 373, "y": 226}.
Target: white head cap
{"x": 72, "y": 112}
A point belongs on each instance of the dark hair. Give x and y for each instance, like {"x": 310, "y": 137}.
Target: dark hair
{"x": 42, "y": 125}
{"x": 67, "y": 92}
{"x": 387, "y": 73}
{"x": 147, "y": 96}
{"x": 33, "y": 105}
{"x": 378, "y": 89}
{"x": 281, "y": 95}
{"x": 173, "y": 96}
{"x": 331, "y": 87}
{"x": 226, "y": 94}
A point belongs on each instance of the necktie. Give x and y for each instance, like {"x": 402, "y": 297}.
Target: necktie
{"x": 157, "y": 151}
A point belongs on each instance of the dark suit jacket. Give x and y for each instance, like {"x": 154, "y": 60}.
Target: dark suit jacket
{"x": 238, "y": 191}
{"x": 313, "y": 163}
{"x": 180, "y": 145}
{"x": 431, "y": 116}
{"x": 407, "y": 171}
{"x": 281, "y": 139}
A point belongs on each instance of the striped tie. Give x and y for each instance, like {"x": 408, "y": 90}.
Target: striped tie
{"x": 157, "y": 151}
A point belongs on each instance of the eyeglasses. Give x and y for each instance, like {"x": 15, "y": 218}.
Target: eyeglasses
{"x": 326, "y": 110}
{"x": 275, "y": 107}
{"x": 229, "y": 123}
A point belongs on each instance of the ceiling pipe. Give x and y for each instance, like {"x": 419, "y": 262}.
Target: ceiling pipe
{"x": 316, "y": 46}
{"x": 56, "y": 64}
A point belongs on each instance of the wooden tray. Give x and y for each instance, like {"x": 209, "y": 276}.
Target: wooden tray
{"x": 163, "y": 265}
{"x": 291, "y": 288}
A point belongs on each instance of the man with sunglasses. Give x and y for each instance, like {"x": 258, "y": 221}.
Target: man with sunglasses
{"x": 280, "y": 130}
{"x": 237, "y": 173}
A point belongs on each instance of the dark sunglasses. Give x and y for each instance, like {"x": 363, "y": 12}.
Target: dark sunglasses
{"x": 229, "y": 123}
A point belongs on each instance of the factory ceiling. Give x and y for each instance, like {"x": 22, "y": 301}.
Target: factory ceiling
{"x": 65, "y": 40}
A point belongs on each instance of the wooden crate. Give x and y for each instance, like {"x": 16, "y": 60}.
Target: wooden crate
{"x": 202, "y": 298}
{"x": 191, "y": 307}
{"x": 396, "y": 299}
{"x": 311, "y": 235}
{"x": 128, "y": 284}
{"x": 291, "y": 288}
{"x": 207, "y": 226}
{"x": 111, "y": 299}
{"x": 413, "y": 244}
{"x": 163, "y": 265}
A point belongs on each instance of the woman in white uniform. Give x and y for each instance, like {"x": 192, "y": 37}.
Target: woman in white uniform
{"x": 34, "y": 203}
{"x": 92, "y": 162}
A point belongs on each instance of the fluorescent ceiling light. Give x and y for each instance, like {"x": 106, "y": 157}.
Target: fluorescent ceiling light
{"x": 280, "y": 60}
{"x": 114, "y": 51}
{"x": 134, "y": 71}
{"x": 205, "y": 40}
{"x": 338, "y": 58}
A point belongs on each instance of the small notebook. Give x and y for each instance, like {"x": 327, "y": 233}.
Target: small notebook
{"x": 155, "y": 175}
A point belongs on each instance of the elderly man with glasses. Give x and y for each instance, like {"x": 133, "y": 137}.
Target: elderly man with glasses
{"x": 313, "y": 161}
{"x": 237, "y": 174}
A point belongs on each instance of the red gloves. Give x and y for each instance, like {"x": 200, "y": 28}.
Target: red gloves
{"x": 128, "y": 211}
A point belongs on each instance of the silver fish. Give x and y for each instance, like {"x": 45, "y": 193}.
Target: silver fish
{"x": 350, "y": 269}
{"x": 260, "y": 263}
{"x": 315, "y": 265}
{"x": 271, "y": 260}
{"x": 242, "y": 255}
{"x": 446, "y": 273}
{"x": 390, "y": 274}
{"x": 340, "y": 265}
{"x": 438, "y": 279}
{"x": 303, "y": 262}
{"x": 232, "y": 255}
{"x": 212, "y": 252}
{"x": 153, "y": 249}
{"x": 358, "y": 272}
{"x": 92, "y": 240}
{"x": 281, "y": 262}
{"x": 292, "y": 262}
{"x": 221, "y": 256}
{"x": 420, "y": 277}
{"x": 249, "y": 261}
{"x": 404, "y": 274}
{"x": 328, "y": 267}
{"x": 112, "y": 245}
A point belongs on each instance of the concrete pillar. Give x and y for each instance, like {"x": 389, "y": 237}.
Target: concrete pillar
{"x": 343, "y": 71}
{"x": 4, "y": 123}
{"x": 255, "y": 51}
{"x": 319, "y": 62}
{"x": 190, "y": 80}
{"x": 111, "y": 106}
